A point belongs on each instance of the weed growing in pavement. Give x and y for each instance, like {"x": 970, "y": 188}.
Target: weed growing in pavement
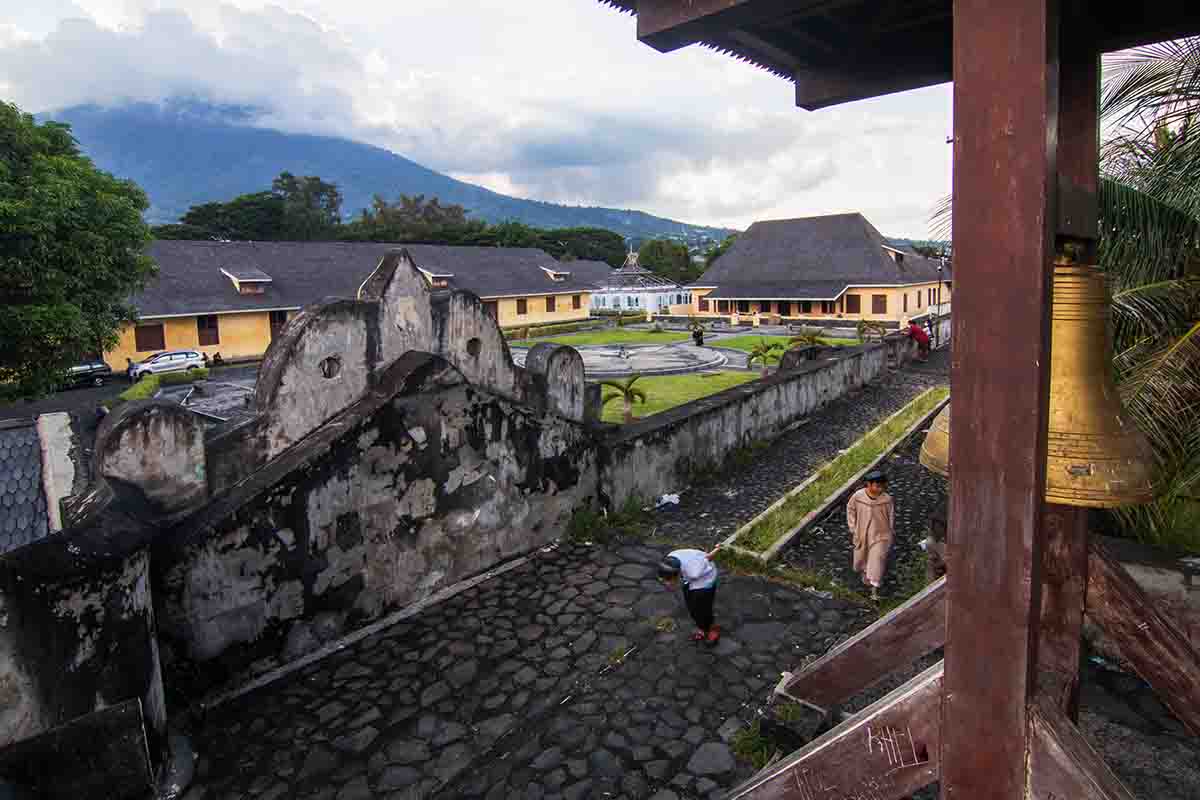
{"x": 749, "y": 744}
{"x": 789, "y": 712}
{"x": 911, "y": 577}
{"x": 589, "y": 525}
{"x": 741, "y": 564}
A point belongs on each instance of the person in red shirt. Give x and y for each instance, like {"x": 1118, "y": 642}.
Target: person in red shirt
{"x": 918, "y": 334}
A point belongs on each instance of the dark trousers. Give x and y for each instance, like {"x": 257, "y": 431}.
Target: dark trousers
{"x": 700, "y": 605}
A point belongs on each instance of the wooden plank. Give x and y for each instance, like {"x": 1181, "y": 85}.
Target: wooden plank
{"x": 102, "y": 754}
{"x": 905, "y": 634}
{"x": 886, "y": 752}
{"x": 1146, "y": 637}
{"x": 1005, "y": 105}
{"x": 1062, "y": 765}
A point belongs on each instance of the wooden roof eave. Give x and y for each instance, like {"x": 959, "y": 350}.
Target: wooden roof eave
{"x": 832, "y": 57}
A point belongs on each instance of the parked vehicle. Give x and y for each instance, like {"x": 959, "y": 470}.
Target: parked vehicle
{"x": 167, "y": 361}
{"x": 92, "y": 372}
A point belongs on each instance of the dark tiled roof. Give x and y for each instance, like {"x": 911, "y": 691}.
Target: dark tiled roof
{"x": 783, "y": 290}
{"x": 190, "y": 279}
{"x": 23, "y": 516}
{"x": 814, "y": 257}
{"x": 594, "y": 273}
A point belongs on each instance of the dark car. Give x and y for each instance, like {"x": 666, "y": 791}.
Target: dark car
{"x": 89, "y": 373}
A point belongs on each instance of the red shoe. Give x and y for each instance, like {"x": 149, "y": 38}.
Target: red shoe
{"x": 714, "y": 634}
{"x": 699, "y": 635}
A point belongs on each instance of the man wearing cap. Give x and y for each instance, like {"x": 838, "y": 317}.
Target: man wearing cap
{"x": 871, "y": 517}
{"x": 698, "y": 574}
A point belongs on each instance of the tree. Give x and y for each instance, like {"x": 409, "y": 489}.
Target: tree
{"x": 765, "y": 353}
{"x": 71, "y": 254}
{"x": 807, "y": 337}
{"x": 412, "y": 219}
{"x": 627, "y": 392}
{"x": 312, "y": 208}
{"x": 669, "y": 260}
{"x": 249, "y": 217}
{"x": 593, "y": 244}
{"x": 718, "y": 250}
{"x": 1149, "y": 203}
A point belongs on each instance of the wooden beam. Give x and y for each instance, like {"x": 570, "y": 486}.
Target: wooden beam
{"x": 905, "y": 634}
{"x": 668, "y": 25}
{"x": 1005, "y": 125}
{"x": 1061, "y": 762}
{"x": 819, "y": 87}
{"x": 1079, "y": 126}
{"x": 1145, "y": 636}
{"x": 886, "y": 752}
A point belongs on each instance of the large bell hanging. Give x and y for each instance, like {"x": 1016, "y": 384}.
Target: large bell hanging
{"x": 1095, "y": 455}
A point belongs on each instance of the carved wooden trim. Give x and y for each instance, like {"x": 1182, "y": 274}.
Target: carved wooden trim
{"x": 886, "y": 752}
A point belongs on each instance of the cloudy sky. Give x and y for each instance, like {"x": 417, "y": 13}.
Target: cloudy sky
{"x": 547, "y": 99}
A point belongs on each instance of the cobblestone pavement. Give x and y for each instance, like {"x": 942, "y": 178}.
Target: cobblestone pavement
{"x": 917, "y": 493}
{"x": 707, "y": 514}
{"x": 571, "y": 676}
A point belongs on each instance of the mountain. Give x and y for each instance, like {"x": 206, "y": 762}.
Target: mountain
{"x": 183, "y": 153}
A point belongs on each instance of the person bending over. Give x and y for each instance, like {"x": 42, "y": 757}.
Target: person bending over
{"x": 695, "y": 570}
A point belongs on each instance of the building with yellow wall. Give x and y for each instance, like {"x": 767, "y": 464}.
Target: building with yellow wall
{"x": 233, "y": 298}
{"x": 827, "y": 271}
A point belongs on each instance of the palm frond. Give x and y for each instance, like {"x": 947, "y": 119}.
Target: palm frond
{"x": 1150, "y": 85}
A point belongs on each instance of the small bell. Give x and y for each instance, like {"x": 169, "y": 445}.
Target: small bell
{"x": 1095, "y": 455}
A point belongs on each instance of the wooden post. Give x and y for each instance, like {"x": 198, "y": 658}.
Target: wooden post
{"x": 1065, "y": 554}
{"x": 1005, "y": 127}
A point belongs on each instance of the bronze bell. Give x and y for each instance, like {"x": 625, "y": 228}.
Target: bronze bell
{"x": 1095, "y": 455}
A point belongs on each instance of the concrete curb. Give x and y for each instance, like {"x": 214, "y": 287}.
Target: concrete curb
{"x": 772, "y": 551}
{"x": 220, "y": 698}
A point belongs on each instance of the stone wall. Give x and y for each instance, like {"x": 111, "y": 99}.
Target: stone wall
{"x": 394, "y": 448}
{"x": 440, "y": 482}
{"x": 660, "y": 454}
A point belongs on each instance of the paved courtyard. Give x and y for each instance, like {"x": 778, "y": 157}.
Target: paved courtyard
{"x": 571, "y": 676}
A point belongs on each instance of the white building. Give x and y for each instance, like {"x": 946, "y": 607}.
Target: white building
{"x": 635, "y": 288}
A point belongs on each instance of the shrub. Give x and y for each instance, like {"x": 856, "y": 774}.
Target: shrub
{"x": 176, "y": 378}
{"x": 145, "y": 388}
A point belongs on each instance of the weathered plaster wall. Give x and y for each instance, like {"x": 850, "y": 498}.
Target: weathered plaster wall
{"x": 660, "y": 454}
{"x": 69, "y": 648}
{"x": 440, "y": 482}
{"x": 157, "y": 447}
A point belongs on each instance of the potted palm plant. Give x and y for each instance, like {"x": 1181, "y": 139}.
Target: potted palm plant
{"x": 763, "y": 352}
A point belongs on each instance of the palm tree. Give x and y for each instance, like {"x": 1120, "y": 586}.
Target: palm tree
{"x": 625, "y": 390}
{"x": 806, "y": 337}
{"x": 764, "y": 351}
{"x": 1149, "y": 245}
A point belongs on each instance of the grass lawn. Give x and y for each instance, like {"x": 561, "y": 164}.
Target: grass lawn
{"x": 668, "y": 391}
{"x": 748, "y": 341}
{"x": 611, "y": 336}
{"x": 833, "y": 475}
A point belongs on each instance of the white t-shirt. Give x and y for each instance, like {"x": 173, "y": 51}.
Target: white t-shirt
{"x": 696, "y": 571}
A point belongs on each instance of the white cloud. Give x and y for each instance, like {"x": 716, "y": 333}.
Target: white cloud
{"x": 550, "y": 99}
